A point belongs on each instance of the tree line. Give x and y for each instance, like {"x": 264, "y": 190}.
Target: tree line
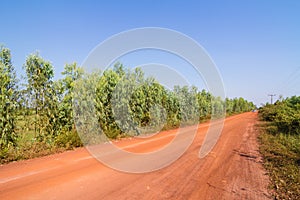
{"x": 43, "y": 108}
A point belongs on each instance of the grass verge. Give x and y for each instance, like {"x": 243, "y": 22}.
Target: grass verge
{"x": 29, "y": 147}
{"x": 281, "y": 154}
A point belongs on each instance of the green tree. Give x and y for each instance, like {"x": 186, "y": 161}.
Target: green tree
{"x": 62, "y": 125}
{"x": 65, "y": 89}
{"x": 205, "y": 104}
{"x": 8, "y": 99}
{"x": 218, "y": 107}
{"x": 40, "y": 89}
{"x": 105, "y": 87}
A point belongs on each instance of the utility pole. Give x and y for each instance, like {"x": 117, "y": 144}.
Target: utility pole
{"x": 271, "y": 95}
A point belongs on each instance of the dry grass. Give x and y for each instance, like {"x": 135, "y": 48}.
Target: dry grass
{"x": 281, "y": 154}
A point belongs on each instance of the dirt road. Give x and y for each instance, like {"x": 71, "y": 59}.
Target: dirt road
{"x": 232, "y": 170}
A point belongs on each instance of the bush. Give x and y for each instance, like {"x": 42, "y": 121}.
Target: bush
{"x": 68, "y": 140}
{"x": 285, "y": 115}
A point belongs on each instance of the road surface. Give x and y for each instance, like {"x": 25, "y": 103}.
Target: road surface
{"x": 232, "y": 170}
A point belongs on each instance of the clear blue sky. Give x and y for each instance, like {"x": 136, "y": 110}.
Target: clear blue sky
{"x": 255, "y": 44}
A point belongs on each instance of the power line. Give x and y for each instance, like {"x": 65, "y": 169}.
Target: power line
{"x": 292, "y": 78}
{"x": 271, "y": 95}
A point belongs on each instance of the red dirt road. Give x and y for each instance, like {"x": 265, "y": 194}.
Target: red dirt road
{"x": 232, "y": 170}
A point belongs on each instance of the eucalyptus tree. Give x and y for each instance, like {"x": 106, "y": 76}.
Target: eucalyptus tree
{"x": 173, "y": 109}
{"x": 65, "y": 92}
{"x": 8, "y": 99}
{"x": 188, "y": 104}
{"x": 39, "y": 74}
{"x": 105, "y": 87}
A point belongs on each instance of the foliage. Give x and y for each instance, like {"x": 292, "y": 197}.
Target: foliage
{"x": 284, "y": 115}
{"x": 8, "y": 100}
{"x": 65, "y": 89}
{"x": 40, "y": 97}
{"x": 61, "y": 116}
{"x": 238, "y": 105}
{"x": 127, "y": 102}
{"x": 83, "y": 108}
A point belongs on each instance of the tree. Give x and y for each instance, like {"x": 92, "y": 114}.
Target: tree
{"x": 65, "y": 89}
{"x": 205, "y": 104}
{"x": 39, "y": 87}
{"x": 8, "y": 99}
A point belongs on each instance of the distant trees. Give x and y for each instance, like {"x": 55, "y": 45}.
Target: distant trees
{"x": 127, "y": 102}
{"x": 238, "y": 105}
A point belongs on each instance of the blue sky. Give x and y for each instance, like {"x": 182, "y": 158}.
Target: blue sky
{"x": 255, "y": 44}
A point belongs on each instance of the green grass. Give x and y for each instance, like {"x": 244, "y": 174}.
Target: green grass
{"x": 281, "y": 154}
{"x": 28, "y": 146}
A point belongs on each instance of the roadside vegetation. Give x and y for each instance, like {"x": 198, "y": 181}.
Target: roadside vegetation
{"x": 36, "y": 112}
{"x": 280, "y": 146}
